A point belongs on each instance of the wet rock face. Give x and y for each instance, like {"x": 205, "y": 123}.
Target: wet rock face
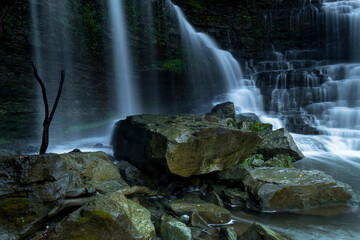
{"x": 278, "y": 142}
{"x": 289, "y": 189}
{"x": 184, "y": 145}
{"x": 108, "y": 216}
{"x": 223, "y": 110}
{"x": 30, "y": 186}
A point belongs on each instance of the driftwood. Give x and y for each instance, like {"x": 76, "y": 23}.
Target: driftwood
{"x": 48, "y": 118}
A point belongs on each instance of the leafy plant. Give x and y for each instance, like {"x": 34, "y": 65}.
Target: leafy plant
{"x": 259, "y": 126}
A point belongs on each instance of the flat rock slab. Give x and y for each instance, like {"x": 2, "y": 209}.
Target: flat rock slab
{"x": 284, "y": 189}
{"x": 211, "y": 213}
{"x": 185, "y": 145}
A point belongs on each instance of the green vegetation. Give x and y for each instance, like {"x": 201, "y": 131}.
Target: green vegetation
{"x": 198, "y": 5}
{"x": 248, "y": 161}
{"x": 235, "y": 124}
{"x": 173, "y": 65}
{"x": 259, "y": 126}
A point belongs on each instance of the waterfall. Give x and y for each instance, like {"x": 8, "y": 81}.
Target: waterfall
{"x": 127, "y": 96}
{"x": 342, "y": 29}
{"x": 223, "y": 77}
{"x": 52, "y": 52}
{"x": 211, "y": 70}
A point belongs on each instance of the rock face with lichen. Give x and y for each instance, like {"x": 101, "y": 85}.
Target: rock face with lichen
{"x": 289, "y": 189}
{"x": 107, "y": 217}
{"x": 185, "y": 145}
{"x": 30, "y": 186}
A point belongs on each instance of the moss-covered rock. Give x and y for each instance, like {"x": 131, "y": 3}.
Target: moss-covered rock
{"x": 108, "y": 216}
{"x": 30, "y": 186}
{"x": 171, "y": 229}
{"x": 185, "y": 145}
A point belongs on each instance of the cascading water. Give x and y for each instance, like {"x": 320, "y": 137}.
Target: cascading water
{"x": 127, "y": 96}
{"x": 52, "y": 51}
{"x": 224, "y": 78}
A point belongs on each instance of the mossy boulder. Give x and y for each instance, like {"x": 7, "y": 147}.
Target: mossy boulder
{"x": 183, "y": 145}
{"x": 108, "y": 216}
{"x": 171, "y": 229}
{"x": 211, "y": 213}
{"x": 30, "y": 186}
{"x": 290, "y": 189}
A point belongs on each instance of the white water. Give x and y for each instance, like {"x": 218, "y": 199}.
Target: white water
{"x": 243, "y": 92}
{"x": 53, "y": 52}
{"x": 127, "y": 96}
{"x": 201, "y": 49}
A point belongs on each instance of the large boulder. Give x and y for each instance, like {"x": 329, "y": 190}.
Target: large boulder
{"x": 278, "y": 142}
{"x": 108, "y": 217}
{"x": 31, "y": 185}
{"x": 185, "y": 145}
{"x": 223, "y": 110}
{"x": 289, "y": 189}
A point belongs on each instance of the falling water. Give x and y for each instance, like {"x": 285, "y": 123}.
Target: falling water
{"x": 52, "y": 52}
{"x": 225, "y": 78}
{"x": 127, "y": 97}
{"x": 211, "y": 69}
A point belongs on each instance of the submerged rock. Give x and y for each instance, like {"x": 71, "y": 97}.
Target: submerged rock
{"x": 107, "y": 217}
{"x": 30, "y": 186}
{"x": 185, "y": 145}
{"x": 223, "y": 110}
{"x": 258, "y": 231}
{"x": 289, "y": 189}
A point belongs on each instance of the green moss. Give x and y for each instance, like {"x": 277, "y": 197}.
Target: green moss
{"x": 173, "y": 65}
{"x": 15, "y": 207}
{"x": 92, "y": 225}
{"x": 197, "y": 4}
{"x": 259, "y": 126}
{"x": 4, "y": 140}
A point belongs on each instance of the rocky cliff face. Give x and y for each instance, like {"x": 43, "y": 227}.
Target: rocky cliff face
{"x": 251, "y": 31}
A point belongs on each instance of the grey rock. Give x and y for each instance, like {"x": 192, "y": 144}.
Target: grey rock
{"x": 223, "y": 110}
